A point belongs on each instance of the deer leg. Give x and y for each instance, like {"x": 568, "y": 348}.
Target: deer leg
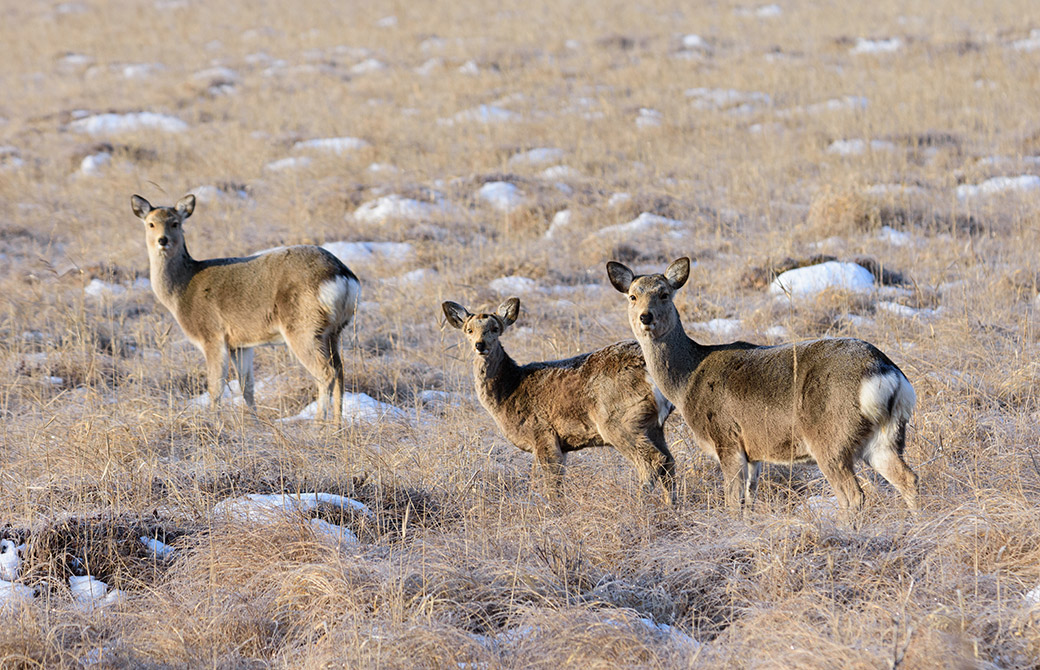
{"x": 243, "y": 362}
{"x": 754, "y": 471}
{"x": 649, "y": 453}
{"x": 884, "y": 455}
{"x": 842, "y": 478}
{"x": 735, "y": 475}
{"x": 551, "y": 460}
{"x": 313, "y": 351}
{"x": 216, "y": 370}
{"x": 337, "y": 381}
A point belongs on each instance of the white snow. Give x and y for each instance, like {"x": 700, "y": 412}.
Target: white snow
{"x": 397, "y": 207}
{"x": 10, "y": 560}
{"x": 290, "y": 163}
{"x": 367, "y": 66}
{"x": 340, "y": 535}
{"x": 12, "y": 593}
{"x": 848, "y": 103}
{"x": 485, "y": 114}
{"x": 723, "y": 98}
{"x": 671, "y": 634}
{"x": 903, "y": 310}
{"x": 539, "y": 156}
{"x": 823, "y": 505}
{"x": 896, "y": 238}
{"x": 224, "y": 74}
{"x": 866, "y": 46}
{"x": 648, "y": 118}
{"x": 618, "y": 199}
{"x": 273, "y": 507}
{"x": 337, "y": 145}
{"x": 693, "y": 41}
{"x": 89, "y": 592}
{"x": 97, "y": 288}
{"x": 207, "y": 193}
{"x": 92, "y": 164}
{"x": 560, "y": 172}
{"x": 513, "y": 285}
{"x": 560, "y": 220}
{"x": 1032, "y": 598}
{"x": 414, "y": 277}
{"x": 768, "y": 11}
{"x": 999, "y": 185}
{"x": 124, "y": 123}
{"x": 722, "y": 328}
{"x": 429, "y": 66}
{"x": 777, "y": 332}
{"x": 357, "y": 408}
{"x": 1031, "y": 43}
{"x": 470, "y": 67}
{"x": 160, "y": 549}
{"x": 894, "y": 190}
{"x": 230, "y": 392}
{"x": 141, "y": 70}
{"x": 366, "y": 252}
{"x": 387, "y": 22}
{"x": 502, "y": 196}
{"x": 856, "y": 147}
{"x": 813, "y": 279}
{"x": 645, "y": 222}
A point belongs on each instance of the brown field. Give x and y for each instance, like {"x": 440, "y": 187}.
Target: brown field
{"x": 462, "y": 563}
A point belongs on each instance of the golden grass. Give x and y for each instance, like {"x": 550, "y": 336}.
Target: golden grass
{"x": 463, "y": 564}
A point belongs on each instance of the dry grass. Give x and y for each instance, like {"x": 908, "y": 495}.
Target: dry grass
{"x": 463, "y": 565}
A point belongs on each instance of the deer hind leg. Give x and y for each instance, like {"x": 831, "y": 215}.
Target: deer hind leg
{"x": 884, "y": 454}
{"x": 216, "y": 370}
{"x": 754, "y": 470}
{"x": 315, "y": 353}
{"x": 838, "y": 471}
{"x": 734, "y": 465}
{"x": 648, "y": 452}
{"x": 243, "y": 362}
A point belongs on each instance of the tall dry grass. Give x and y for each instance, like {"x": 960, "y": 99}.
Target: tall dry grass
{"x": 462, "y": 565}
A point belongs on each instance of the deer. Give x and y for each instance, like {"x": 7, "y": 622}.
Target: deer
{"x": 301, "y": 296}
{"x": 551, "y": 408}
{"x": 828, "y": 401}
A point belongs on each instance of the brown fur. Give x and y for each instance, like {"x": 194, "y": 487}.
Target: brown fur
{"x": 830, "y": 401}
{"x": 302, "y": 296}
{"x": 554, "y": 407}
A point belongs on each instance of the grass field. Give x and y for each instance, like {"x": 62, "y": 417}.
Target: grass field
{"x": 904, "y": 135}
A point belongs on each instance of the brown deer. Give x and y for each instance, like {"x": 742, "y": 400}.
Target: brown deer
{"x": 830, "y": 401}
{"x": 554, "y": 407}
{"x": 302, "y": 296}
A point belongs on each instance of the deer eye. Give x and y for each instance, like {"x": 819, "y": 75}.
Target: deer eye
{"x": 173, "y": 225}
{"x": 632, "y": 298}
{"x": 151, "y": 225}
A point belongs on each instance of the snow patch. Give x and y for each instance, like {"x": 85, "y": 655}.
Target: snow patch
{"x": 12, "y": 593}
{"x": 813, "y": 279}
{"x": 539, "y": 156}
{"x": 513, "y": 285}
{"x": 649, "y": 118}
{"x": 560, "y": 220}
{"x": 275, "y": 507}
{"x": 999, "y": 185}
{"x": 161, "y": 550}
{"x": 97, "y": 288}
{"x": 336, "y": 145}
{"x": 560, "y": 172}
{"x": 290, "y": 163}
{"x": 645, "y": 222}
{"x": 100, "y": 124}
{"x": 369, "y": 252}
{"x": 397, "y": 207}
{"x": 91, "y": 592}
{"x": 92, "y": 165}
{"x": 487, "y": 114}
{"x": 725, "y": 98}
{"x": 502, "y": 196}
{"x": 722, "y": 328}
{"x": 883, "y": 46}
{"x": 896, "y": 238}
{"x": 10, "y": 560}
{"x": 357, "y": 408}
{"x": 368, "y": 66}
{"x": 1029, "y": 44}
{"x": 856, "y": 147}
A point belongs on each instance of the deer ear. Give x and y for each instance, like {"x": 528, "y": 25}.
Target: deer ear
{"x": 677, "y": 273}
{"x": 186, "y": 205}
{"x": 140, "y": 206}
{"x": 620, "y": 276}
{"x": 455, "y": 313}
{"x": 509, "y": 311}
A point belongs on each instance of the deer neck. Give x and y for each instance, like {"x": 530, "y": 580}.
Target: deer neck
{"x": 496, "y": 376}
{"x": 170, "y": 275}
{"x": 671, "y": 361}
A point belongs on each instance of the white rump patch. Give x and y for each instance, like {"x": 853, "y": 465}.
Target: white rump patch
{"x": 339, "y": 296}
{"x": 875, "y": 393}
{"x": 664, "y": 406}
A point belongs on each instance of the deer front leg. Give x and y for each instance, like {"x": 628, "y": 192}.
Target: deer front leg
{"x": 550, "y": 459}
{"x": 735, "y": 475}
{"x": 216, "y": 370}
{"x": 243, "y": 362}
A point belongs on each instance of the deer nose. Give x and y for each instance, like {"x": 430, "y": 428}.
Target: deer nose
{"x": 646, "y": 318}
{"x": 163, "y": 241}
{"x": 480, "y": 347}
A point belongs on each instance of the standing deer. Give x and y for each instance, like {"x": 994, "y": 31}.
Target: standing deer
{"x": 830, "y": 401}
{"x": 554, "y": 407}
{"x": 302, "y": 296}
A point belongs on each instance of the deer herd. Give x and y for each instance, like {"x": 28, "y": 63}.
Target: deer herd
{"x": 828, "y": 401}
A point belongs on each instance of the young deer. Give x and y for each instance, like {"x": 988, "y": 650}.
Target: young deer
{"x": 830, "y": 401}
{"x": 554, "y": 407}
{"x": 302, "y": 296}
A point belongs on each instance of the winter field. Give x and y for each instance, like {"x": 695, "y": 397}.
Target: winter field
{"x": 467, "y": 151}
